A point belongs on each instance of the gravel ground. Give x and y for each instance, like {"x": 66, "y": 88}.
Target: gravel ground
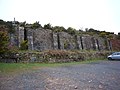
{"x": 102, "y": 75}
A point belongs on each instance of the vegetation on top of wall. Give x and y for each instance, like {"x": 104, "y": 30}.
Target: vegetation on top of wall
{"x": 8, "y": 25}
{"x": 69, "y": 30}
{"x": 59, "y": 29}
{"x": 23, "y": 24}
{"x": 36, "y": 25}
{"x": 48, "y": 26}
{"x": 118, "y": 36}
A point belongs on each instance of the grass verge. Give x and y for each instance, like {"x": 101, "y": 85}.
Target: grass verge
{"x": 7, "y": 68}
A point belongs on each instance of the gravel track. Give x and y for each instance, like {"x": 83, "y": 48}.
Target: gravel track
{"x": 101, "y": 75}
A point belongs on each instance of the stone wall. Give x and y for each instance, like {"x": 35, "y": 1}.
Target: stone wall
{"x": 30, "y": 39}
{"x": 53, "y": 56}
{"x": 14, "y": 37}
{"x": 67, "y": 41}
{"x": 44, "y": 39}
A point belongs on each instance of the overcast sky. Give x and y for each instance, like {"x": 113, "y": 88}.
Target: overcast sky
{"x": 79, "y": 14}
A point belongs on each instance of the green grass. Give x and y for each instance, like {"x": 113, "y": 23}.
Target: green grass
{"x": 6, "y": 68}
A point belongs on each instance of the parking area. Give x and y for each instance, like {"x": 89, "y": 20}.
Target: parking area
{"x": 100, "y": 75}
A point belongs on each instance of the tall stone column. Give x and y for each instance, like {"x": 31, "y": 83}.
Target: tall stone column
{"x": 20, "y": 35}
{"x": 107, "y": 44}
{"x": 55, "y": 41}
{"x": 78, "y": 42}
{"x": 30, "y": 43}
{"x": 94, "y": 43}
{"x": 110, "y": 45}
{"x": 30, "y": 39}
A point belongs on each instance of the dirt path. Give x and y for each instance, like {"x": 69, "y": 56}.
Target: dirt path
{"x": 102, "y": 75}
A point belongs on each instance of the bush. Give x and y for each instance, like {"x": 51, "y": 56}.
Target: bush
{"x": 3, "y": 41}
{"x": 24, "y": 45}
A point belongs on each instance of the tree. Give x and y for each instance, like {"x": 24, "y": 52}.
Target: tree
{"x": 59, "y": 29}
{"x": 118, "y": 36}
{"x": 86, "y": 29}
{"x": 36, "y": 25}
{"x": 48, "y": 26}
{"x": 2, "y": 22}
{"x": 92, "y": 31}
{"x": 10, "y": 27}
{"x": 102, "y": 34}
{"x": 4, "y": 40}
{"x": 71, "y": 31}
{"x": 110, "y": 36}
{"x": 23, "y": 24}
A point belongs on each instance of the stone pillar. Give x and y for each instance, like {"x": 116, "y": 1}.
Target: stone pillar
{"x": 97, "y": 44}
{"x": 30, "y": 43}
{"x": 94, "y": 47}
{"x": 21, "y": 35}
{"x": 107, "y": 44}
{"x": 16, "y": 36}
{"x": 110, "y": 45}
{"x": 30, "y": 39}
{"x": 78, "y": 42}
{"x": 55, "y": 41}
{"x": 13, "y": 39}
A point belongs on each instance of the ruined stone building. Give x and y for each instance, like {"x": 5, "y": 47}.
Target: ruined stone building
{"x": 44, "y": 39}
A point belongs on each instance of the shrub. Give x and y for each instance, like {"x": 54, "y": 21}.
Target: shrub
{"x": 3, "y": 41}
{"x": 24, "y": 45}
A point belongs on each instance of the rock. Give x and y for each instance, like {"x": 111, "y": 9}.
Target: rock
{"x": 100, "y": 86}
{"x": 75, "y": 87}
{"x": 90, "y": 81}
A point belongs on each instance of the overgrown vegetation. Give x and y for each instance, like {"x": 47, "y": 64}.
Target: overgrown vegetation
{"x": 70, "y": 30}
{"x": 24, "y": 45}
{"x": 75, "y": 55}
{"x": 4, "y": 40}
{"x": 36, "y": 25}
{"x": 9, "y": 25}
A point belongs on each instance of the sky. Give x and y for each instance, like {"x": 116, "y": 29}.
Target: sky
{"x": 103, "y": 15}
